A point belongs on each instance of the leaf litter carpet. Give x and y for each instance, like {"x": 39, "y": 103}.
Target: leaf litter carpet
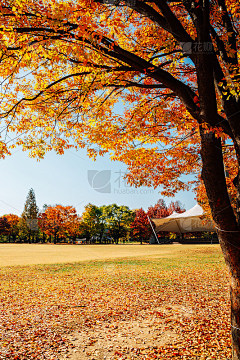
{"x": 173, "y": 308}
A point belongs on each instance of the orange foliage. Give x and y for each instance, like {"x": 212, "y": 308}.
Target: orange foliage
{"x": 59, "y": 221}
{"x": 85, "y": 57}
{"x": 11, "y": 222}
{"x": 12, "y": 219}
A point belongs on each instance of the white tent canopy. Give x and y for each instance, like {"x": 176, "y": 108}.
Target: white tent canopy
{"x": 189, "y": 221}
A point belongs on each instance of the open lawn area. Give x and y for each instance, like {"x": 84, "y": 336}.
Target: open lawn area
{"x": 25, "y": 254}
{"x": 113, "y": 302}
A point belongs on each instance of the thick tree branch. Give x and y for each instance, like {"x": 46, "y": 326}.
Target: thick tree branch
{"x": 227, "y": 23}
{"x": 174, "y": 24}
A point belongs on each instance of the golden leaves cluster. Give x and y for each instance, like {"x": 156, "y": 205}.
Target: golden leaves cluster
{"x": 63, "y": 86}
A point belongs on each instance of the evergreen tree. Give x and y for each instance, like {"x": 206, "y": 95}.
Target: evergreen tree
{"x": 29, "y": 217}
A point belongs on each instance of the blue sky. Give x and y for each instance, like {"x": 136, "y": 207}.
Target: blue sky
{"x": 73, "y": 179}
{"x": 65, "y": 179}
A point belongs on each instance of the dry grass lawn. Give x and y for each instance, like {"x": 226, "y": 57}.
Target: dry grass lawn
{"x": 36, "y": 254}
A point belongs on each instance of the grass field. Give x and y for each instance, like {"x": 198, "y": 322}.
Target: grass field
{"x": 124, "y": 302}
{"x": 25, "y": 254}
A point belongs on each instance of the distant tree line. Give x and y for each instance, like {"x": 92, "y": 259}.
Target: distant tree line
{"x": 98, "y": 224}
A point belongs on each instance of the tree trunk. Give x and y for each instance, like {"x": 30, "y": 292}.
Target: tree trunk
{"x": 235, "y": 316}
{"x": 232, "y": 257}
{"x": 213, "y": 174}
{"x": 228, "y": 230}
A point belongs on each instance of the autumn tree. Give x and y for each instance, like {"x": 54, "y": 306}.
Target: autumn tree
{"x": 4, "y": 225}
{"x": 140, "y": 227}
{"x": 72, "y": 225}
{"x": 175, "y": 206}
{"x": 59, "y": 221}
{"x": 159, "y": 210}
{"x": 175, "y": 65}
{"x": 13, "y": 221}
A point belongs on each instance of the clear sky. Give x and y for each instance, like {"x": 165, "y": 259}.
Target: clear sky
{"x": 72, "y": 179}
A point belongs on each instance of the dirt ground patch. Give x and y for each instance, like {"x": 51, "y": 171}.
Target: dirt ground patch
{"x": 122, "y": 340}
{"x": 126, "y": 339}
